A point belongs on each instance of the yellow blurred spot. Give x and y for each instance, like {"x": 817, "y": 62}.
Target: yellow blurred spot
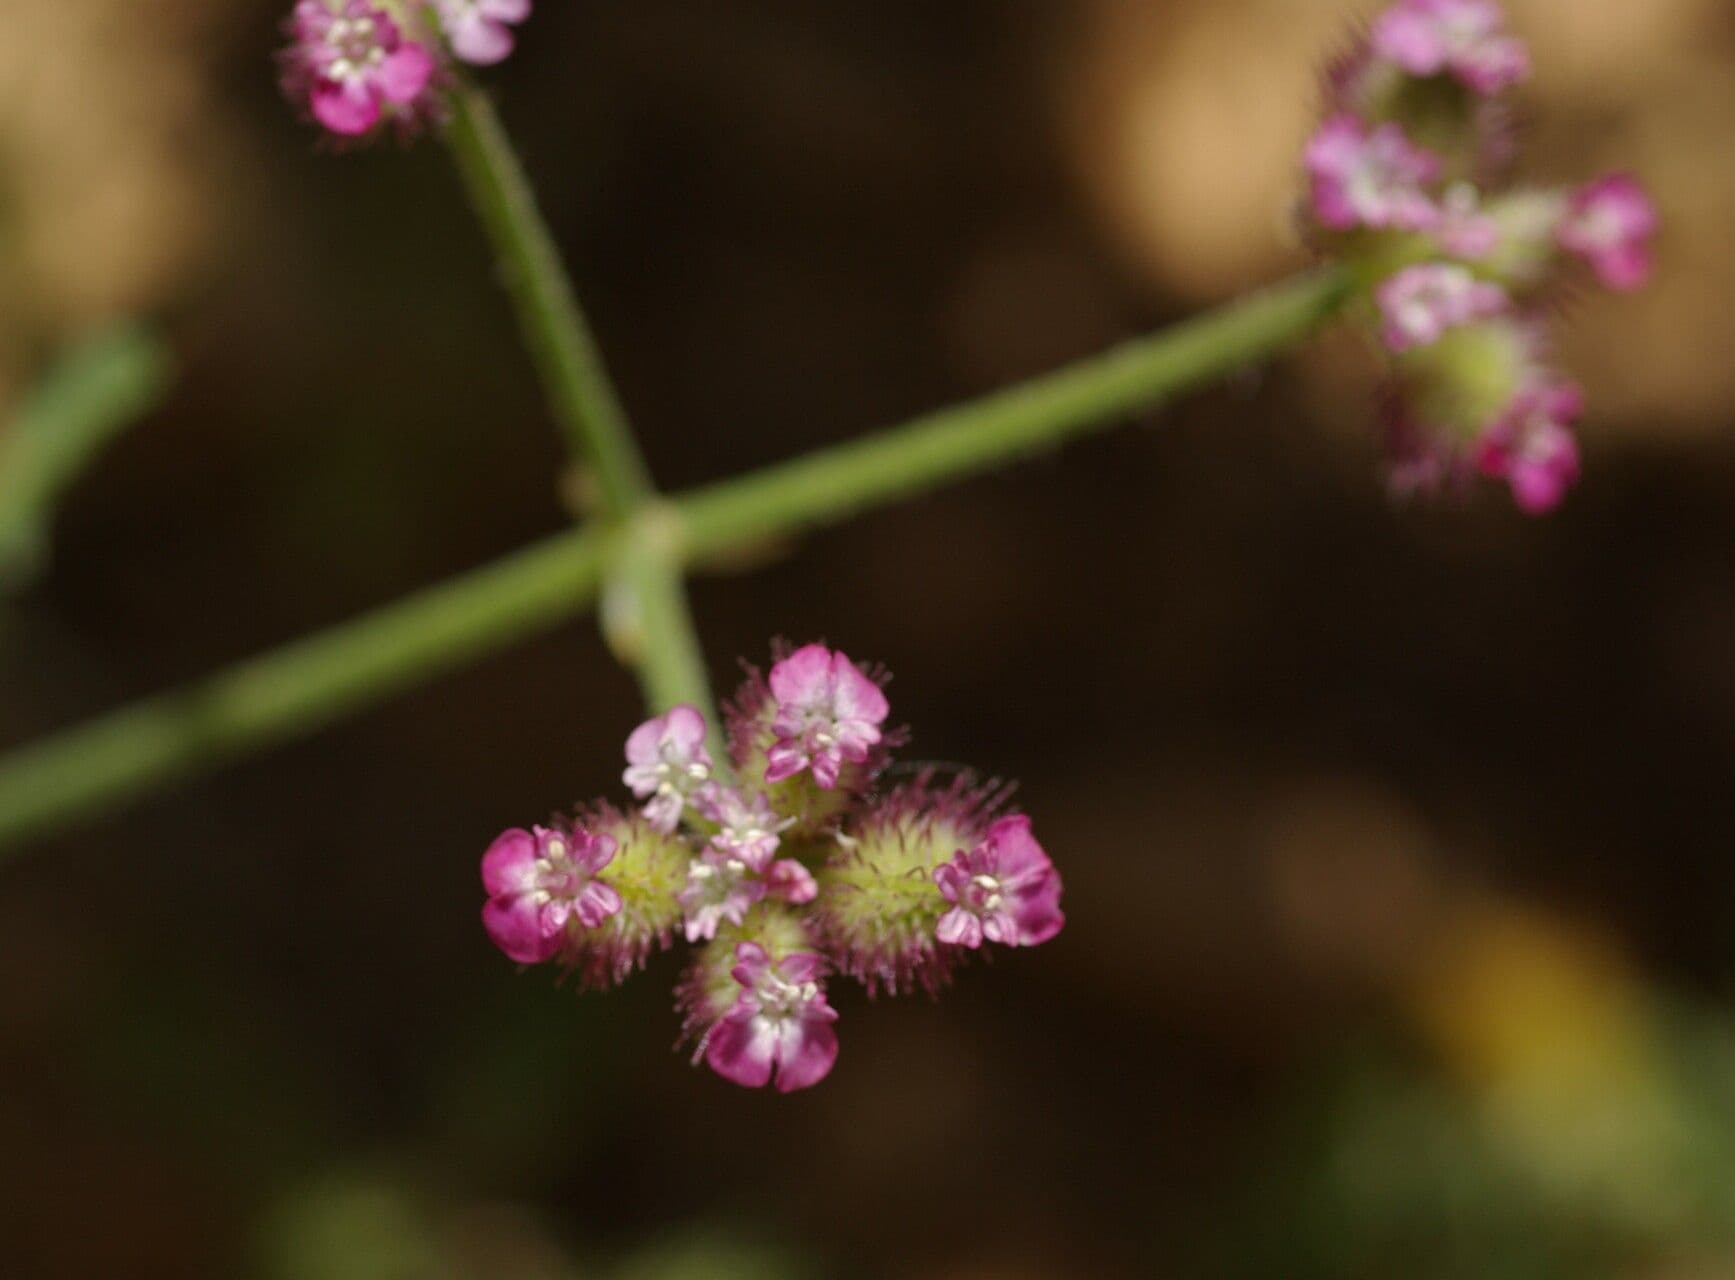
{"x": 1518, "y": 1000}
{"x": 1548, "y": 1027}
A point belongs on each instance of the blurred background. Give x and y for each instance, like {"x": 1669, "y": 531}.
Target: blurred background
{"x": 1397, "y": 840}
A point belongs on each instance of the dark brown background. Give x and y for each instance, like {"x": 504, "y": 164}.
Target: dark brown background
{"x": 1397, "y": 841}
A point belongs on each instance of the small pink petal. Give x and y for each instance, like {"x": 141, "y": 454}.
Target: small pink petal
{"x": 593, "y": 852}
{"x": 806, "y": 1052}
{"x": 684, "y": 728}
{"x": 784, "y": 760}
{"x": 959, "y": 928}
{"x": 826, "y": 768}
{"x": 1017, "y": 854}
{"x": 856, "y": 697}
{"x": 801, "y": 967}
{"x": 515, "y": 926}
{"x": 405, "y": 73}
{"x": 803, "y": 676}
{"x": 792, "y": 882}
{"x": 951, "y": 878}
{"x": 596, "y": 903}
{"x": 482, "y": 43}
{"x": 346, "y": 110}
{"x": 751, "y": 964}
{"x": 742, "y": 1050}
{"x": 510, "y": 862}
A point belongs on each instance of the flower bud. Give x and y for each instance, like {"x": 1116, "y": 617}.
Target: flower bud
{"x": 1610, "y": 224}
{"x": 356, "y": 64}
{"x": 708, "y": 990}
{"x": 879, "y": 908}
{"x": 781, "y": 883}
{"x": 647, "y": 873}
{"x": 810, "y": 738}
{"x": 1400, "y": 181}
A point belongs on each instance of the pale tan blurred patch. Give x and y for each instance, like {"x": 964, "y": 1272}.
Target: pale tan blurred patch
{"x": 1186, "y": 120}
{"x": 1661, "y": 358}
{"x": 109, "y": 146}
{"x": 1610, "y": 53}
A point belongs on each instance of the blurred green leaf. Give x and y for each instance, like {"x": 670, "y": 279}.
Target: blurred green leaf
{"x": 369, "y": 1221}
{"x": 351, "y": 1229}
{"x": 1391, "y": 1169}
{"x": 97, "y": 390}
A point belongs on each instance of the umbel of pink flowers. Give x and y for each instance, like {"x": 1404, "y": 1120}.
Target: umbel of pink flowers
{"x": 359, "y": 65}
{"x": 788, "y": 863}
{"x": 1410, "y": 182}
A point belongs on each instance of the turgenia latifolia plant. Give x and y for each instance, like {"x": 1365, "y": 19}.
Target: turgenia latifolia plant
{"x": 777, "y": 837}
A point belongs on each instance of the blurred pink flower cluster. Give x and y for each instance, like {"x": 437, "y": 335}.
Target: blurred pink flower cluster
{"x": 1409, "y": 182}
{"x": 358, "y": 65}
{"x": 788, "y": 863}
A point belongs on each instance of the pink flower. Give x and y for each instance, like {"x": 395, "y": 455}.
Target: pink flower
{"x": 648, "y": 872}
{"x": 1419, "y": 304}
{"x": 539, "y": 880}
{"x": 877, "y": 910}
{"x": 1370, "y": 177}
{"x": 789, "y": 881}
{"x": 1464, "y": 229}
{"x": 719, "y": 887}
{"x": 746, "y": 827}
{"x": 780, "y": 1025}
{"x": 827, "y": 712}
{"x": 1005, "y": 890}
{"x": 1533, "y": 449}
{"x": 353, "y": 65}
{"x": 480, "y": 30}
{"x": 1462, "y": 38}
{"x": 668, "y": 763}
{"x": 735, "y": 870}
{"x": 1610, "y": 224}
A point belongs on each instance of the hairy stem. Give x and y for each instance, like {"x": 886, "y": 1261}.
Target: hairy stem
{"x": 670, "y": 665}
{"x": 648, "y": 622}
{"x": 560, "y": 341}
{"x": 317, "y": 680}
{"x": 833, "y": 484}
{"x": 296, "y": 689}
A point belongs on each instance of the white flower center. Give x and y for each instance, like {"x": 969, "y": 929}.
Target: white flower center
{"x": 355, "y": 42}
{"x": 677, "y": 777}
{"x": 985, "y": 894}
{"x": 781, "y": 999}
{"x": 555, "y": 874}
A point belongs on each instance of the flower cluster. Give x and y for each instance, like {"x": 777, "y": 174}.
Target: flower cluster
{"x": 359, "y": 65}
{"x": 792, "y": 861}
{"x": 1408, "y": 183}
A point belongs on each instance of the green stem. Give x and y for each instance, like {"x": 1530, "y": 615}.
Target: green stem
{"x": 317, "y": 680}
{"x": 578, "y": 385}
{"x": 295, "y": 689}
{"x": 649, "y": 624}
{"x": 834, "y": 484}
{"x": 670, "y": 664}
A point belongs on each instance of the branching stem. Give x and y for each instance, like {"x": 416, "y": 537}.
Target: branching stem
{"x": 338, "y": 672}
